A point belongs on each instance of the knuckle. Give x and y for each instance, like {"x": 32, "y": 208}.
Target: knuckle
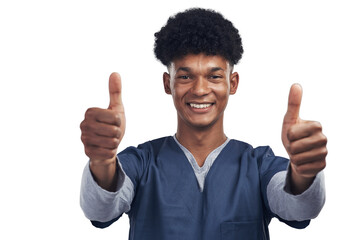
{"x": 322, "y": 165}
{"x": 324, "y": 152}
{"x": 290, "y": 148}
{"x": 88, "y": 152}
{"x": 293, "y": 148}
{"x": 323, "y": 139}
{"x": 114, "y": 143}
{"x": 84, "y": 126}
{"x": 116, "y": 131}
{"x": 291, "y": 134}
{"x": 117, "y": 118}
{"x": 89, "y": 140}
{"x": 92, "y": 113}
{"x": 83, "y": 138}
{"x": 317, "y": 126}
{"x": 109, "y": 143}
{"x": 89, "y": 112}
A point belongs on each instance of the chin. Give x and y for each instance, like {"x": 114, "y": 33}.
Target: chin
{"x": 202, "y": 125}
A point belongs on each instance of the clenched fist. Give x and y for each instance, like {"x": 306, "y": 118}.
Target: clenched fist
{"x": 304, "y": 142}
{"x": 102, "y": 131}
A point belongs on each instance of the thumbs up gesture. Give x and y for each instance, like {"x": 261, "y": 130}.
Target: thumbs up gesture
{"x": 103, "y": 129}
{"x": 304, "y": 142}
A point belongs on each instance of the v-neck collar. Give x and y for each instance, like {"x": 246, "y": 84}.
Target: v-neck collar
{"x": 201, "y": 172}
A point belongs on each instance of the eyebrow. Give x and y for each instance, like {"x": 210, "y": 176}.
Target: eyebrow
{"x": 187, "y": 69}
{"x": 215, "y": 69}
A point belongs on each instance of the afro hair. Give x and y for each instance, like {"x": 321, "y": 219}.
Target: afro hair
{"x": 195, "y": 31}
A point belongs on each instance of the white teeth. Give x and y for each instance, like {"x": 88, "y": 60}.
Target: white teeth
{"x": 194, "y": 105}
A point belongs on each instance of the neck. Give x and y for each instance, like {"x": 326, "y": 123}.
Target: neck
{"x": 201, "y": 139}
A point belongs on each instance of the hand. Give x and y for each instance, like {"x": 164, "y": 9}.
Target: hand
{"x": 103, "y": 129}
{"x": 304, "y": 142}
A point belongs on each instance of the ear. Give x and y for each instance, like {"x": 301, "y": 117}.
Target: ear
{"x": 166, "y": 81}
{"x": 234, "y": 82}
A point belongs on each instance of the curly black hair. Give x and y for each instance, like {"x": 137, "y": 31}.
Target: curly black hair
{"x": 198, "y": 30}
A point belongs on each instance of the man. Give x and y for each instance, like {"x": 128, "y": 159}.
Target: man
{"x": 198, "y": 184}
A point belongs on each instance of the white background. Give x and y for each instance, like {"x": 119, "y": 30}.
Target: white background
{"x": 55, "y": 59}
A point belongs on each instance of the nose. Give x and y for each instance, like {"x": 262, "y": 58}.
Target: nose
{"x": 200, "y": 87}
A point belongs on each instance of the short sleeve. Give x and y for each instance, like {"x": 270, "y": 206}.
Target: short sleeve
{"x": 134, "y": 161}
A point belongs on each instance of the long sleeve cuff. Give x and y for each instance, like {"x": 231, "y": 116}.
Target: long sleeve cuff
{"x": 291, "y": 207}
{"x": 101, "y": 205}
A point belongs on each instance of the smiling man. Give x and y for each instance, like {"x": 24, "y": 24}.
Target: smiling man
{"x": 199, "y": 184}
{"x": 200, "y": 85}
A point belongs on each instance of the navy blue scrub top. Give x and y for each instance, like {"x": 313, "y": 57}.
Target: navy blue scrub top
{"x": 168, "y": 203}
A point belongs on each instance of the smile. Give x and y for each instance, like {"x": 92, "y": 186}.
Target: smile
{"x": 200, "y": 106}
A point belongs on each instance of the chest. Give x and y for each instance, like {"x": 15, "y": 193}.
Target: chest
{"x": 231, "y": 191}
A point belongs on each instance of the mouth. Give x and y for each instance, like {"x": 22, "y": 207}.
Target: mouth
{"x": 201, "y": 108}
{"x": 200, "y": 105}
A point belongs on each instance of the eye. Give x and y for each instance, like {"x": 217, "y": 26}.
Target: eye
{"x": 215, "y": 76}
{"x": 184, "y": 77}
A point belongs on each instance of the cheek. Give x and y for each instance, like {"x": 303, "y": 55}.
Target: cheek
{"x": 179, "y": 92}
{"x": 222, "y": 91}
{"x": 177, "y": 95}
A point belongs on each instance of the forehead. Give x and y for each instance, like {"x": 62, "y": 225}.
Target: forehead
{"x": 200, "y": 62}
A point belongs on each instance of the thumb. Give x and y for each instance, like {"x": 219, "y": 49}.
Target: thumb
{"x": 115, "y": 92}
{"x": 295, "y": 95}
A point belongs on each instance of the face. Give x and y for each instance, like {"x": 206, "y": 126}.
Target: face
{"x": 200, "y": 86}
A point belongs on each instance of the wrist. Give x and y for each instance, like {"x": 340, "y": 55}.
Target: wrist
{"x": 105, "y": 173}
{"x": 103, "y": 163}
{"x": 299, "y": 183}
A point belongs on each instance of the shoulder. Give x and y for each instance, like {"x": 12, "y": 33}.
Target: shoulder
{"x": 155, "y": 145}
{"x": 260, "y": 151}
{"x": 147, "y": 149}
{"x": 262, "y": 156}
{"x": 135, "y": 160}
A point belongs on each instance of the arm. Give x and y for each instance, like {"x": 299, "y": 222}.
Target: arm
{"x": 305, "y": 143}
{"x": 104, "y": 182}
{"x": 101, "y": 134}
{"x": 299, "y": 193}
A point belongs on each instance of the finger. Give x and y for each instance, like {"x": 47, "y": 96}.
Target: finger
{"x": 101, "y": 129}
{"x": 98, "y": 154}
{"x": 115, "y": 92}
{"x": 310, "y": 169}
{"x": 103, "y": 115}
{"x": 91, "y": 140}
{"x": 307, "y": 144}
{"x": 317, "y": 154}
{"x": 107, "y": 130}
{"x": 110, "y": 117}
{"x": 294, "y": 101}
{"x": 303, "y": 130}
